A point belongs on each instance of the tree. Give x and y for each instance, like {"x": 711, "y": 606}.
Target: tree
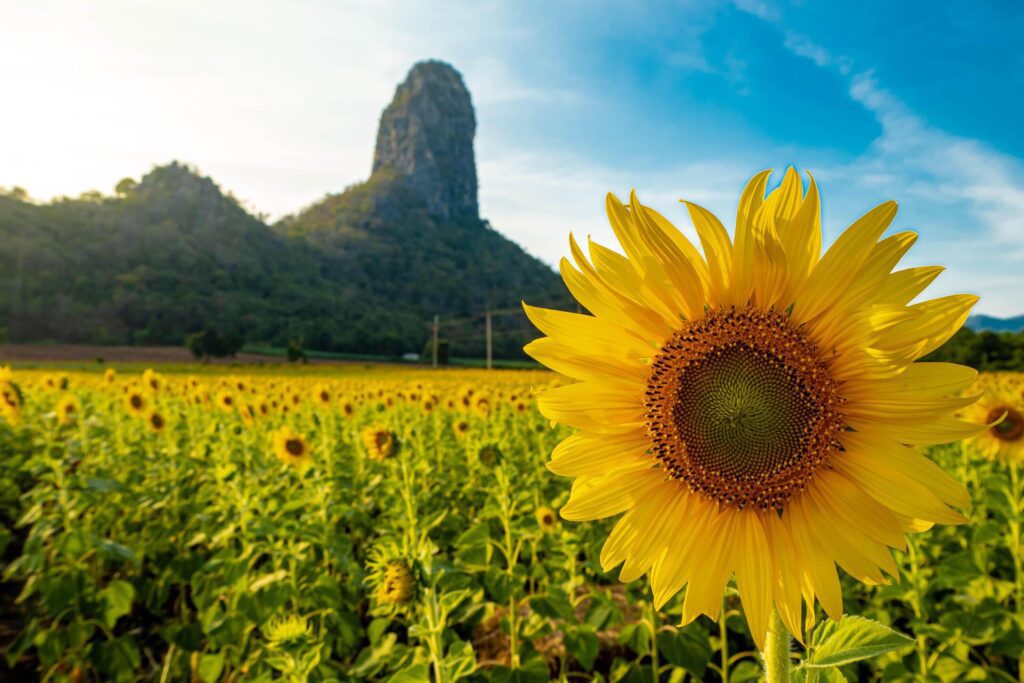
{"x": 210, "y": 343}
{"x": 125, "y": 187}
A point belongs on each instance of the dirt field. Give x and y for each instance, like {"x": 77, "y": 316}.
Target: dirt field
{"x": 71, "y": 353}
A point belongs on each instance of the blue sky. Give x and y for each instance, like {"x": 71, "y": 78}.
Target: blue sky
{"x": 278, "y": 101}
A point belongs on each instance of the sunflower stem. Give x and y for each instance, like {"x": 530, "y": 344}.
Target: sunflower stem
{"x": 723, "y": 634}
{"x": 776, "y": 651}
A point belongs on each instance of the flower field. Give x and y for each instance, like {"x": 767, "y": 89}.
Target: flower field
{"x": 377, "y": 523}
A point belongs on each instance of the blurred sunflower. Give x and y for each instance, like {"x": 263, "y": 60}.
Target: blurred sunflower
{"x": 110, "y": 375}
{"x": 152, "y": 380}
{"x": 10, "y": 399}
{"x": 379, "y": 442}
{"x": 226, "y": 401}
{"x": 392, "y": 578}
{"x": 156, "y": 422}
{"x": 460, "y": 428}
{"x": 546, "y": 518}
{"x": 135, "y": 402}
{"x": 290, "y": 631}
{"x": 347, "y": 408}
{"x": 751, "y": 410}
{"x": 1001, "y": 406}
{"x": 322, "y": 394}
{"x": 291, "y": 448}
{"x": 67, "y": 410}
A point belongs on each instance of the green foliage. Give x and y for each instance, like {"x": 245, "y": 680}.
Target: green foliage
{"x": 360, "y": 272}
{"x": 210, "y": 343}
{"x": 985, "y": 350}
{"x": 295, "y": 352}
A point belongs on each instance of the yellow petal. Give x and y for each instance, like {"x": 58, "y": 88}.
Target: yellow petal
{"x": 585, "y": 454}
{"x": 608, "y": 495}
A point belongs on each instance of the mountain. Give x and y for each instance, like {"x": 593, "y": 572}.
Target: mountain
{"x": 981, "y": 323}
{"x": 412, "y": 232}
{"x": 360, "y": 271}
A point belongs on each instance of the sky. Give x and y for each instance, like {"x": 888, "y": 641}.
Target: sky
{"x": 278, "y": 102}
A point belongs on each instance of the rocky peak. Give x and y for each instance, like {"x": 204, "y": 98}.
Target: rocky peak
{"x": 426, "y": 137}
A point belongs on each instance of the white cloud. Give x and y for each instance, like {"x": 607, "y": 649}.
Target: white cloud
{"x": 968, "y": 196}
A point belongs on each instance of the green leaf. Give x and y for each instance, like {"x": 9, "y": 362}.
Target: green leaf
{"x": 850, "y": 640}
{"x": 583, "y": 645}
{"x": 211, "y": 666}
{"x": 533, "y": 670}
{"x": 268, "y": 579}
{"x": 553, "y": 605}
{"x": 417, "y": 673}
{"x": 117, "y": 596}
{"x": 688, "y": 648}
{"x": 460, "y": 661}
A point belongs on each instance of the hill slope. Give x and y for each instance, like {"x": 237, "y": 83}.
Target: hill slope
{"x": 167, "y": 257}
{"x": 361, "y": 271}
{"x": 982, "y": 322}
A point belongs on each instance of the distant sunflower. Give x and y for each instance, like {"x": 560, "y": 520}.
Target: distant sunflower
{"x": 751, "y": 409}
{"x": 322, "y": 394}
{"x": 152, "y": 380}
{"x": 10, "y": 399}
{"x": 546, "y": 518}
{"x": 67, "y": 410}
{"x": 226, "y": 401}
{"x": 481, "y": 405}
{"x": 291, "y": 448}
{"x": 379, "y": 442}
{"x": 110, "y": 375}
{"x": 156, "y": 422}
{"x": 460, "y": 428}
{"x": 1001, "y": 406}
{"x": 135, "y": 402}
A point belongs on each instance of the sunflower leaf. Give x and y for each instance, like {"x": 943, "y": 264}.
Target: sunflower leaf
{"x": 850, "y": 640}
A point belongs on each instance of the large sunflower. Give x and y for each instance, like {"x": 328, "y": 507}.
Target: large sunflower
{"x": 752, "y": 410}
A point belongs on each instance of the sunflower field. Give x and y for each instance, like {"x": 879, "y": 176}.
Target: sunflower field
{"x": 400, "y": 524}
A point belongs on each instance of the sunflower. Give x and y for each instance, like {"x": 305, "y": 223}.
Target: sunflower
{"x": 226, "y": 401}
{"x": 752, "y": 410}
{"x": 291, "y": 448}
{"x": 461, "y": 428}
{"x": 285, "y": 632}
{"x": 1002, "y": 407}
{"x": 110, "y": 375}
{"x": 347, "y": 408}
{"x": 481, "y": 405}
{"x": 135, "y": 402}
{"x": 489, "y": 454}
{"x": 397, "y": 583}
{"x": 546, "y": 518}
{"x": 67, "y": 410}
{"x": 152, "y": 380}
{"x": 248, "y": 414}
{"x": 156, "y": 422}
{"x": 10, "y": 399}
{"x": 379, "y": 442}
{"x": 322, "y": 395}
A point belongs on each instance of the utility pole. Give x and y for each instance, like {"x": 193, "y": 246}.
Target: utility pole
{"x": 488, "y": 340}
{"x": 436, "y": 326}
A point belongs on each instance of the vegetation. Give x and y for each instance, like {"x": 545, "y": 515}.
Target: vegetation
{"x": 211, "y": 343}
{"x": 984, "y": 350}
{"x": 376, "y": 523}
{"x": 361, "y": 272}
